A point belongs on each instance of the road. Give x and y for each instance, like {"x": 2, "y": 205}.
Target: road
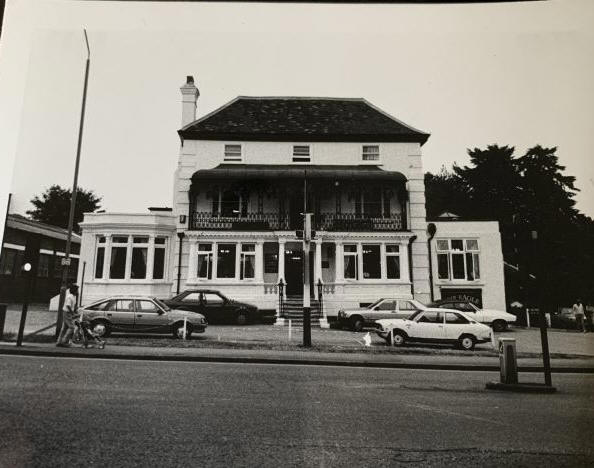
{"x": 78, "y": 412}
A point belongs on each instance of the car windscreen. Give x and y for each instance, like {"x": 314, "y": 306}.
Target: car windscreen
{"x": 371, "y": 306}
{"x": 161, "y": 304}
{"x": 415, "y": 314}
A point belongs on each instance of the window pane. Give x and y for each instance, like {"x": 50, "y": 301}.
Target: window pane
{"x": 390, "y": 248}
{"x": 117, "y": 267}
{"x": 477, "y": 270}
{"x": 370, "y": 152}
{"x": 140, "y": 240}
{"x": 120, "y": 239}
{"x": 248, "y": 266}
{"x": 406, "y": 305}
{"x": 454, "y": 318}
{"x": 160, "y": 240}
{"x": 442, "y": 266}
{"x": 99, "y": 262}
{"x": 226, "y": 261}
{"x": 350, "y": 266}
{"x": 393, "y": 266}
{"x": 248, "y": 247}
{"x": 101, "y": 239}
{"x": 43, "y": 266}
{"x": 372, "y": 201}
{"x": 371, "y": 261}
{"x": 387, "y": 305}
{"x": 230, "y": 204}
{"x": 458, "y": 266}
{"x": 442, "y": 244}
{"x": 350, "y": 248}
{"x": 125, "y": 305}
{"x": 205, "y": 247}
{"x": 471, "y": 244}
{"x": 159, "y": 264}
{"x": 138, "y": 270}
{"x": 7, "y": 261}
{"x": 212, "y": 299}
{"x": 457, "y": 244}
{"x": 232, "y": 152}
{"x": 192, "y": 297}
{"x": 469, "y": 267}
{"x": 205, "y": 266}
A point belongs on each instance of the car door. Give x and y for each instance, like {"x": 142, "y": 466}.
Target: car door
{"x": 120, "y": 312}
{"x": 455, "y": 325}
{"x": 427, "y": 326}
{"x": 149, "y": 317}
{"x": 214, "y": 309}
{"x": 384, "y": 310}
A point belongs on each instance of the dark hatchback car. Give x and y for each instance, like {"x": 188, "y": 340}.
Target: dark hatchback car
{"x": 217, "y": 308}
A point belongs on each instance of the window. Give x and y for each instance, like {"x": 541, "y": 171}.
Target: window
{"x": 192, "y": 297}
{"x": 351, "y": 267}
{"x": 270, "y": 262}
{"x": 146, "y": 306}
{"x": 232, "y": 153}
{"x": 393, "y": 261}
{"x": 43, "y": 266}
{"x": 372, "y": 202}
{"x": 204, "y": 261}
{"x": 230, "y": 203}
{"x": 139, "y": 257}
{"x": 451, "y": 317}
{"x": 226, "y": 261}
{"x": 7, "y": 261}
{"x": 371, "y": 153}
{"x": 431, "y": 317}
{"x": 458, "y": 259}
{"x": 125, "y": 305}
{"x": 247, "y": 261}
{"x": 100, "y": 257}
{"x": 159, "y": 258}
{"x": 119, "y": 249}
{"x": 387, "y": 305}
{"x": 371, "y": 261}
{"x": 301, "y": 153}
{"x": 212, "y": 299}
{"x": 100, "y": 306}
{"x": 407, "y": 305}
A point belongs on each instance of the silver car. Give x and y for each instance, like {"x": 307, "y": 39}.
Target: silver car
{"x": 141, "y": 314}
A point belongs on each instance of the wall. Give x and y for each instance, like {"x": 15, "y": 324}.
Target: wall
{"x": 491, "y": 281}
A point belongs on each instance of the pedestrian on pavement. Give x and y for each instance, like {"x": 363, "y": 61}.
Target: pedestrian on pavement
{"x": 589, "y": 318}
{"x": 578, "y": 311}
{"x": 69, "y": 308}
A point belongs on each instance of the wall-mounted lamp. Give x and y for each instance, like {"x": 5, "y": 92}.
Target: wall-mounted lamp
{"x": 182, "y": 219}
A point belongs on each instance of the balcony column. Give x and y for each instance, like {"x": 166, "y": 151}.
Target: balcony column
{"x": 339, "y": 263}
{"x": 317, "y": 267}
{"x": 260, "y": 261}
{"x": 404, "y": 271}
{"x": 281, "y": 260}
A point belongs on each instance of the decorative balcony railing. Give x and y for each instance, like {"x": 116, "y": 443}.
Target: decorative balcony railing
{"x": 252, "y": 222}
{"x": 358, "y": 222}
{"x": 348, "y": 222}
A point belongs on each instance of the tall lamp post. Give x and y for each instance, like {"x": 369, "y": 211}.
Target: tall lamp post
{"x": 66, "y": 259}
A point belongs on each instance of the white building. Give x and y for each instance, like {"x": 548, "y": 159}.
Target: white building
{"x": 249, "y": 170}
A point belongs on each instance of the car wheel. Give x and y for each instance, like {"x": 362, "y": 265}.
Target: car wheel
{"x": 466, "y": 342}
{"x": 357, "y": 323}
{"x": 100, "y": 328}
{"x": 242, "y": 318}
{"x": 399, "y": 338}
{"x": 499, "y": 325}
{"x": 178, "y": 330}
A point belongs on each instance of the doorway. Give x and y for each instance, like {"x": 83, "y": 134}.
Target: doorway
{"x": 294, "y": 269}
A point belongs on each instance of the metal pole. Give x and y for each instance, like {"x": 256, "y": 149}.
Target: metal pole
{"x": 306, "y": 286}
{"x": 82, "y": 283}
{"x": 180, "y": 236}
{"x": 66, "y": 261}
{"x": 29, "y": 274}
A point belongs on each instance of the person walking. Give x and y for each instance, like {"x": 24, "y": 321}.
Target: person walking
{"x": 578, "y": 311}
{"x": 69, "y": 308}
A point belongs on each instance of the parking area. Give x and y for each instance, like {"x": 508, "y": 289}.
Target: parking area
{"x": 561, "y": 342}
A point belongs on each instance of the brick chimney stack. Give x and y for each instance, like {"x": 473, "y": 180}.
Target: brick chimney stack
{"x": 189, "y": 97}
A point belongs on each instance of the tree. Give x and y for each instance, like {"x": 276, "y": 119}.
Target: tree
{"x": 53, "y": 207}
{"x": 445, "y": 191}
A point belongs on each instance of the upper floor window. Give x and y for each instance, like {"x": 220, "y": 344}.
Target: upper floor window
{"x": 232, "y": 153}
{"x": 458, "y": 259}
{"x": 371, "y": 153}
{"x": 301, "y": 153}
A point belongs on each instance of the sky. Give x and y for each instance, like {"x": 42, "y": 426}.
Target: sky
{"x": 516, "y": 74}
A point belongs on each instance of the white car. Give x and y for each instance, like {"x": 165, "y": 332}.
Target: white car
{"x": 497, "y": 319}
{"x": 384, "y": 308}
{"x": 435, "y": 326}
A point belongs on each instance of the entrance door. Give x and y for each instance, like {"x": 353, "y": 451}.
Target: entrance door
{"x": 294, "y": 271}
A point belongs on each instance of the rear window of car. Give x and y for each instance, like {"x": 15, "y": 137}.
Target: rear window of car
{"x": 432, "y": 317}
{"x": 454, "y": 318}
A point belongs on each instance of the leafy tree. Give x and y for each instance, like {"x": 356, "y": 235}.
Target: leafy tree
{"x": 53, "y": 206}
{"x": 445, "y": 192}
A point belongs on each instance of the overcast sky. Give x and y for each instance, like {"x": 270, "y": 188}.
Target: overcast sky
{"x": 471, "y": 75}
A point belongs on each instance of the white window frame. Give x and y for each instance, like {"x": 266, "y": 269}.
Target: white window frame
{"x": 209, "y": 254}
{"x": 466, "y": 250}
{"x": 357, "y": 257}
{"x": 242, "y": 257}
{"x": 301, "y": 157}
{"x": 393, "y": 254}
{"x": 230, "y": 152}
{"x": 368, "y": 153}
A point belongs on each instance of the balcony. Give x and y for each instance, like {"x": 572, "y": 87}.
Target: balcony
{"x": 348, "y": 222}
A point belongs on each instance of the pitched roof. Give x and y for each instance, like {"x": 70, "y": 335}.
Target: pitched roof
{"x": 17, "y": 221}
{"x": 301, "y": 119}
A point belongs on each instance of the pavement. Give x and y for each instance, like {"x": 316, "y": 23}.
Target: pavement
{"x": 570, "y": 351}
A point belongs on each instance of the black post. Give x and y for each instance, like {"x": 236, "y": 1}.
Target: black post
{"x": 307, "y": 327}
{"x": 181, "y": 236}
{"x": 546, "y": 358}
{"x": 2, "y": 319}
{"x": 29, "y": 274}
{"x": 281, "y": 298}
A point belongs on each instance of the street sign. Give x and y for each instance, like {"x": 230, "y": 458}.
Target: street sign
{"x": 66, "y": 261}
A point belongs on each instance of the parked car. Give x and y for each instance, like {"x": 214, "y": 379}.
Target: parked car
{"x": 217, "y": 308}
{"x": 387, "y": 307}
{"x": 140, "y": 314}
{"x": 499, "y": 320}
{"x": 435, "y": 326}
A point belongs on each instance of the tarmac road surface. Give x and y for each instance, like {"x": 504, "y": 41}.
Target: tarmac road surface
{"x": 79, "y": 412}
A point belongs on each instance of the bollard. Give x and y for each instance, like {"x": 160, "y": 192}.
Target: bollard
{"x": 2, "y": 319}
{"x": 508, "y": 361}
